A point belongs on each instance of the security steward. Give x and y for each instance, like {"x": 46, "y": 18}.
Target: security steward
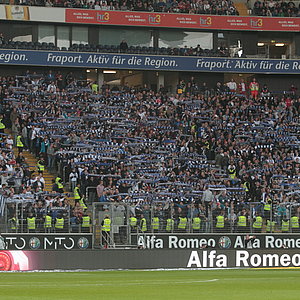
{"x": 59, "y": 224}
{"x": 78, "y": 196}
{"x": 60, "y": 186}
{"x": 220, "y": 222}
{"x": 182, "y": 224}
{"x": 86, "y": 223}
{"x": 105, "y": 229}
{"x": 41, "y": 165}
{"x": 19, "y": 143}
{"x": 270, "y": 226}
{"x": 285, "y": 225}
{"x": 143, "y": 224}
{"x": 196, "y": 223}
{"x": 170, "y": 225}
{"x": 31, "y": 223}
{"x": 295, "y": 224}
{"x": 242, "y": 223}
{"x": 155, "y": 224}
{"x": 48, "y": 223}
{"x": 257, "y": 224}
{"x": 2, "y": 126}
{"x": 133, "y": 223}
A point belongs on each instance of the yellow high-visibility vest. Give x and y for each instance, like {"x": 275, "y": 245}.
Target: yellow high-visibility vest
{"x": 59, "y": 223}
{"x": 31, "y": 223}
{"x": 86, "y": 221}
{"x": 258, "y": 222}
{"x": 48, "y": 222}
{"x": 196, "y": 223}
{"x": 19, "y": 141}
{"x": 106, "y": 225}
{"x": 220, "y": 222}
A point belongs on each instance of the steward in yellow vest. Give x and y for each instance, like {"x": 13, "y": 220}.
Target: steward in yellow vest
{"x": 155, "y": 223}
{"x": 31, "y": 223}
{"x": 19, "y": 143}
{"x": 294, "y": 224}
{"x": 2, "y": 126}
{"x": 86, "y": 222}
{"x": 257, "y": 224}
{"x": 48, "y": 223}
{"x": 105, "y": 229}
{"x": 270, "y": 226}
{"x": 143, "y": 224}
{"x": 170, "y": 225}
{"x": 182, "y": 223}
{"x": 285, "y": 226}
{"x": 196, "y": 224}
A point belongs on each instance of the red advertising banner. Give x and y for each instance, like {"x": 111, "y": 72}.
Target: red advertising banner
{"x": 132, "y": 18}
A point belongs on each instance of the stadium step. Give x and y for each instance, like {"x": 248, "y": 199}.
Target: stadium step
{"x": 32, "y": 162}
{"x": 241, "y": 8}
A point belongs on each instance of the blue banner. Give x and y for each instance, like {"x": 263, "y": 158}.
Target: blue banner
{"x": 148, "y": 62}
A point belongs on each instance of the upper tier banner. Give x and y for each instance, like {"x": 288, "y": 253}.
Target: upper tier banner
{"x": 132, "y": 18}
{"x": 148, "y": 62}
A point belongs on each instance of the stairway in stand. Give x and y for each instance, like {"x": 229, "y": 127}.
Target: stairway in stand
{"x": 241, "y": 8}
{"x": 32, "y": 162}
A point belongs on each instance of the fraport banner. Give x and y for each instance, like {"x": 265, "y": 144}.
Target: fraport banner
{"x": 40, "y": 241}
{"x": 216, "y": 241}
{"x": 148, "y": 62}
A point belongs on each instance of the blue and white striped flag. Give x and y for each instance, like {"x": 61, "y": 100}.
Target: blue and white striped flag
{"x": 2, "y": 205}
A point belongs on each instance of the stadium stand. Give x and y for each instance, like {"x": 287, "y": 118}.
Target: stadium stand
{"x": 212, "y": 7}
{"x": 216, "y": 156}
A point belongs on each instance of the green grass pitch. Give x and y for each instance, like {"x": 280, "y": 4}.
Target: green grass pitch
{"x": 181, "y": 284}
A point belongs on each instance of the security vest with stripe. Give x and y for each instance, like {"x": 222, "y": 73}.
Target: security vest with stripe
{"x": 40, "y": 166}
{"x": 76, "y": 193}
{"x": 48, "y": 222}
{"x": 58, "y": 182}
{"x": 13, "y": 223}
{"x": 170, "y": 225}
{"x": 269, "y": 224}
{"x": 267, "y": 206}
{"x": 242, "y": 221}
{"x": 258, "y": 222}
{"x": 82, "y": 204}
{"x": 196, "y": 223}
{"x": 246, "y": 186}
{"x": 285, "y": 226}
{"x": 2, "y": 126}
{"x": 220, "y": 222}
{"x": 155, "y": 223}
{"x": 31, "y": 223}
{"x": 106, "y": 225}
{"x": 59, "y": 223}
{"x": 143, "y": 224}
{"x": 294, "y": 222}
{"x": 232, "y": 173}
{"x": 86, "y": 221}
{"x": 132, "y": 221}
{"x": 182, "y": 223}
{"x": 19, "y": 141}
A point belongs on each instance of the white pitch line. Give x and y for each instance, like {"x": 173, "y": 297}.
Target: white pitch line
{"x": 108, "y": 284}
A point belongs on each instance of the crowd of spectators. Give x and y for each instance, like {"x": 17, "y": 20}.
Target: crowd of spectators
{"x": 275, "y": 8}
{"x": 211, "y": 7}
{"x": 156, "y": 151}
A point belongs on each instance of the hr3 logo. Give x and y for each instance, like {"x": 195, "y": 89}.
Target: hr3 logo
{"x": 155, "y": 19}
{"x": 103, "y": 17}
{"x": 258, "y": 23}
{"x": 205, "y": 21}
